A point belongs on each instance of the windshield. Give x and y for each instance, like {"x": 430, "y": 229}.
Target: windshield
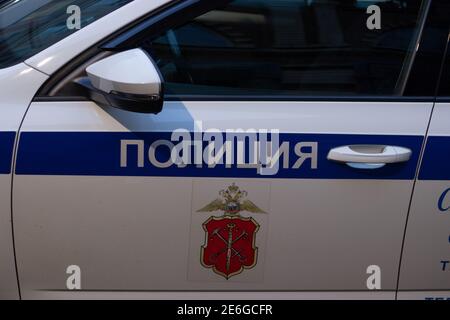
{"x": 29, "y": 26}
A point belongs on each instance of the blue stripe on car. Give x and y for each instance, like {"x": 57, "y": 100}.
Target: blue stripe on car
{"x": 436, "y": 159}
{"x": 6, "y": 149}
{"x": 98, "y": 154}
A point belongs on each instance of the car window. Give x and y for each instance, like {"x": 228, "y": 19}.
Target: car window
{"x": 444, "y": 87}
{"x": 291, "y": 47}
{"x": 29, "y": 26}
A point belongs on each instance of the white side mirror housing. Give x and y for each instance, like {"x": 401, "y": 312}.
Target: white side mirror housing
{"x": 127, "y": 80}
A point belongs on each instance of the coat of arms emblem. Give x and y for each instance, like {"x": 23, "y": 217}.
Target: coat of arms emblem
{"x": 230, "y": 239}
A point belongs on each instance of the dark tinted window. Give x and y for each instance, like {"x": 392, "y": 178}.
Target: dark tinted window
{"x": 291, "y": 47}
{"x": 30, "y": 26}
{"x": 444, "y": 88}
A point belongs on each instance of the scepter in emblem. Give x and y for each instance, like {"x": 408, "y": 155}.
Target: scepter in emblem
{"x": 216, "y": 233}
{"x": 229, "y": 244}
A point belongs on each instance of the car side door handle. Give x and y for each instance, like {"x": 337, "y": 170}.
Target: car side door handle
{"x": 369, "y": 156}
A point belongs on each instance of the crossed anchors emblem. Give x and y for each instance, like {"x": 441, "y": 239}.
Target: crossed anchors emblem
{"x": 230, "y": 239}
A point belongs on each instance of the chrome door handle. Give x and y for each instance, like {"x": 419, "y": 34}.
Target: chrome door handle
{"x": 369, "y": 156}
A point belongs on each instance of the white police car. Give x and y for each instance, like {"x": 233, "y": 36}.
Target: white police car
{"x": 218, "y": 149}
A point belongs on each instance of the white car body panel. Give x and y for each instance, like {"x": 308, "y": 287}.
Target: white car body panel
{"x": 428, "y": 237}
{"x": 8, "y": 279}
{"x": 439, "y": 125}
{"x": 18, "y": 87}
{"x": 205, "y": 296}
{"x": 295, "y": 117}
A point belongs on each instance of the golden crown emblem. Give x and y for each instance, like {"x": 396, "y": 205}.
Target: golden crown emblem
{"x": 232, "y": 201}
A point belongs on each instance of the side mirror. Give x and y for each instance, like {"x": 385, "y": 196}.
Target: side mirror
{"x": 127, "y": 80}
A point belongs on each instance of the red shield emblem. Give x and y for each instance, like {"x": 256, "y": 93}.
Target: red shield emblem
{"x": 230, "y": 244}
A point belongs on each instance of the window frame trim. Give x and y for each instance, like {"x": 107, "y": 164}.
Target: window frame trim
{"x": 123, "y": 39}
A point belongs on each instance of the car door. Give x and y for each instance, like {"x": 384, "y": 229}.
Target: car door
{"x": 425, "y": 272}
{"x": 100, "y": 196}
